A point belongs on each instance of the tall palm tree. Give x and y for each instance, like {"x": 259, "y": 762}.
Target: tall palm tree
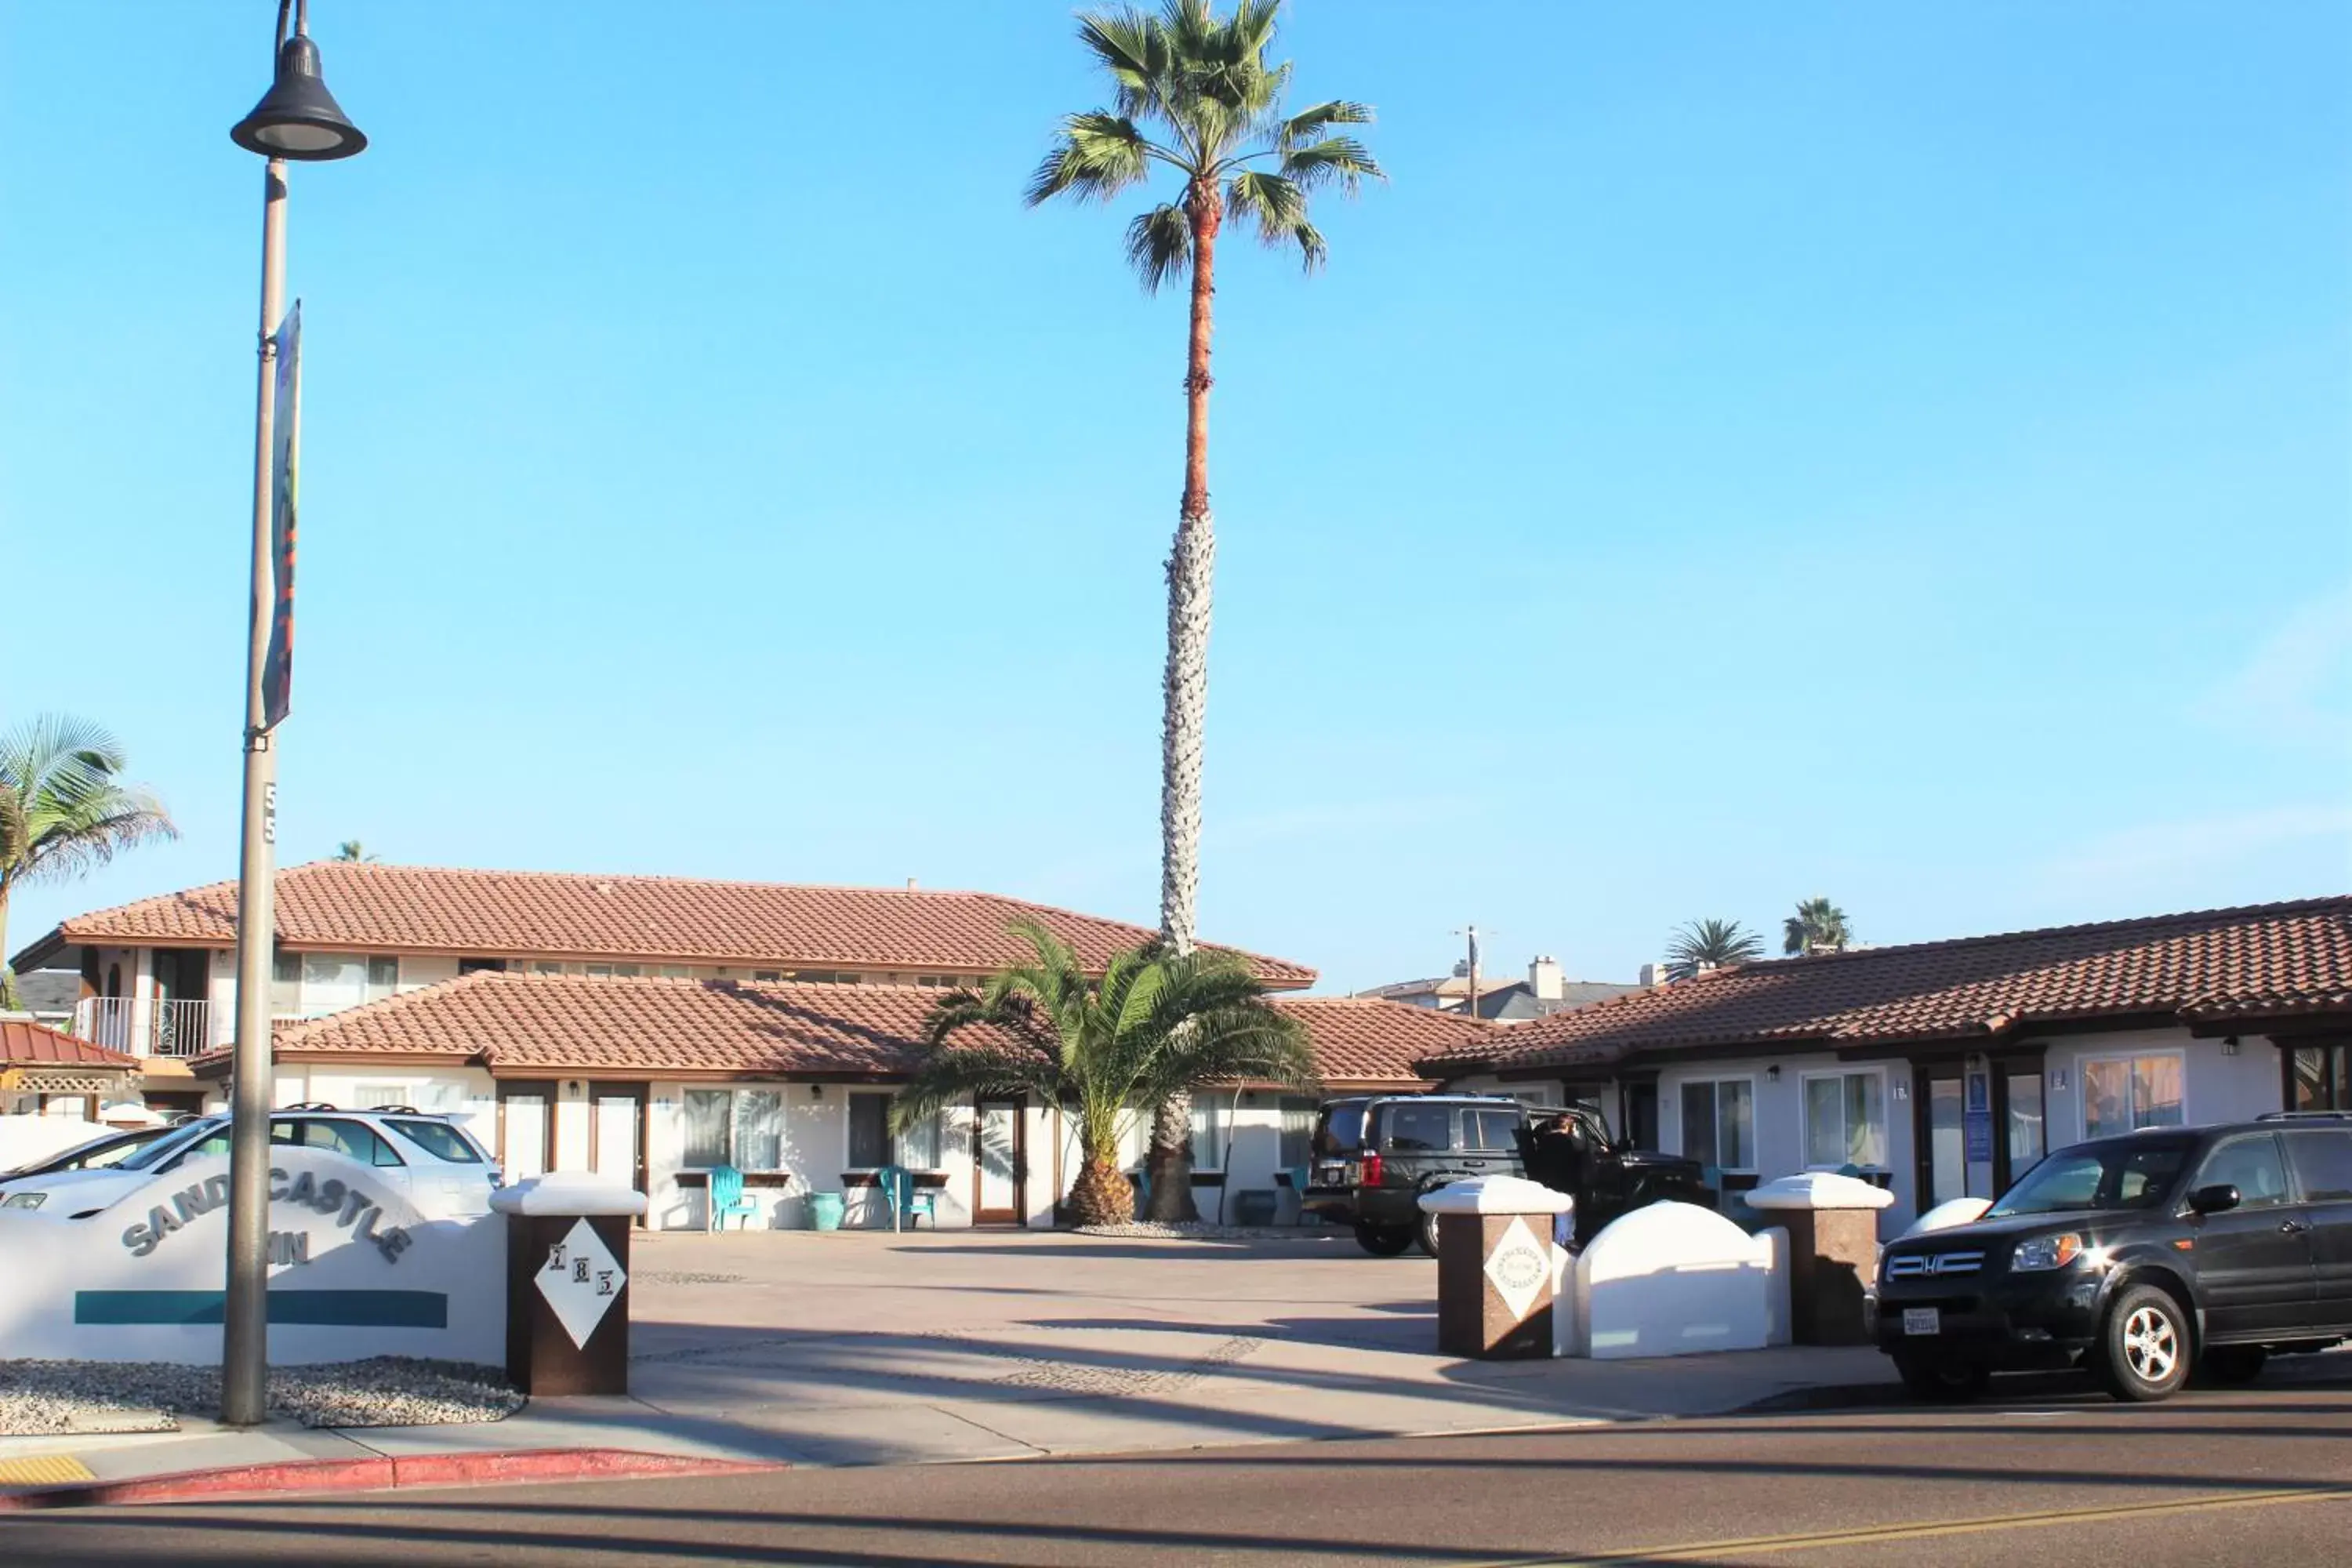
{"x": 1709, "y": 943}
{"x": 62, "y": 810}
{"x": 1213, "y": 103}
{"x": 1818, "y": 926}
{"x": 1157, "y": 1024}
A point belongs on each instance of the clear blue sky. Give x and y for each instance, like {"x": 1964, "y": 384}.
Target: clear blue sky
{"x": 1898, "y": 452}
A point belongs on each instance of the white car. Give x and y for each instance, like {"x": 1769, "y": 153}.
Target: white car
{"x": 428, "y": 1159}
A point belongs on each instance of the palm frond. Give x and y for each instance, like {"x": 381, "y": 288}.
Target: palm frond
{"x": 1709, "y": 943}
{"x": 1310, "y": 124}
{"x": 1160, "y": 245}
{"x": 1277, "y": 206}
{"x": 1132, "y": 49}
{"x": 1340, "y": 159}
{"x": 960, "y": 1074}
{"x": 1097, "y": 156}
{"x": 62, "y": 810}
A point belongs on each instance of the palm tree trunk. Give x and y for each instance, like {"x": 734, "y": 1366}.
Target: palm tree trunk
{"x": 1100, "y": 1196}
{"x": 1184, "y": 693}
{"x": 7, "y": 976}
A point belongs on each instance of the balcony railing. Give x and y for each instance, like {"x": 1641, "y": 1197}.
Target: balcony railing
{"x": 145, "y": 1027}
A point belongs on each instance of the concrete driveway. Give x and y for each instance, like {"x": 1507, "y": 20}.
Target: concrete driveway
{"x": 863, "y": 1347}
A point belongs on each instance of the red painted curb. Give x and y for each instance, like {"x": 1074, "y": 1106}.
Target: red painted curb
{"x": 380, "y": 1474}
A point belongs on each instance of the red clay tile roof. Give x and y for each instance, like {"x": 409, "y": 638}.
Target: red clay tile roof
{"x": 37, "y": 1044}
{"x": 571, "y": 1025}
{"x": 2269, "y": 960}
{"x": 1361, "y": 1040}
{"x": 411, "y": 908}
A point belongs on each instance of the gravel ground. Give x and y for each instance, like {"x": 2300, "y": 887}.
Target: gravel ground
{"x": 40, "y": 1396}
{"x": 1202, "y": 1230}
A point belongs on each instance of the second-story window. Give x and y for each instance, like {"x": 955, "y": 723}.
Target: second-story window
{"x": 335, "y": 981}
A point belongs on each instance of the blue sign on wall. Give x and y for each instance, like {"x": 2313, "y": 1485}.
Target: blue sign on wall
{"x": 1976, "y": 1120}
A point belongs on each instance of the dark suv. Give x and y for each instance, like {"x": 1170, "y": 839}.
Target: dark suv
{"x": 2136, "y": 1256}
{"x": 1374, "y": 1157}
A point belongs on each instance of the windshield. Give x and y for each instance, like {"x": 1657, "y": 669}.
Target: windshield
{"x": 2121, "y": 1174}
{"x": 1340, "y": 1129}
{"x": 163, "y": 1148}
{"x": 437, "y": 1138}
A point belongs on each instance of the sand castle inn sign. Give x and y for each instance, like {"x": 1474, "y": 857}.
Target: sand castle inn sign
{"x": 356, "y": 1271}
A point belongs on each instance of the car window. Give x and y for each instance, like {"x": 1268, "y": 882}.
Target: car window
{"x": 437, "y": 1139}
{"x": 355, "y": 1139}
{"x": 107, "y": 1159}
{"x": 2322, "y": 1162}
{"x": 1340, "y": 1129}
{"x": 156, "y": 1156}
{"x": 1491, "y": 1129}
{"x": 2252, "y": 1165}
{"x": 2113, "y": 1174}
{"x": 1420, "y": 1129}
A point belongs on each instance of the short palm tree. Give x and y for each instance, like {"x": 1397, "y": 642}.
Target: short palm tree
{"x": 62, "y": 810}
{"x": 1213, "y": 106}
{"x": 1157, "y": 1024}
{"x": 1818, "y": 926}
{"x": 351, "y": 851}
{"x": 1709, "y": 944}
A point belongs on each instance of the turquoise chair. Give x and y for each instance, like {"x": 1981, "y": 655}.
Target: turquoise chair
{"x": 1300, "y": 1176}
{"x": 726, "y": 1197}
{"x": 907, "y": 1202}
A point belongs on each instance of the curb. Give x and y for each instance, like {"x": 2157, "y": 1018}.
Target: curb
{"x": 380, "y": 1474}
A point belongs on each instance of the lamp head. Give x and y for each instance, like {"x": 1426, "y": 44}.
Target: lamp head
{"x": 298, "y": 117}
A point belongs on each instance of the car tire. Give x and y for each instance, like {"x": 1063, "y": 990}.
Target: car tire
{"x": 2233, "y": 1363}
{"x": 2145, "y": 1349}
{"x": 1941, "y": 1381}
{"x": 1384, "y": 1240}
{"x": 1426, "y": 1234}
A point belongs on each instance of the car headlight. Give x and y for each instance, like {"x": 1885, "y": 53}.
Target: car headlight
{"x": 2045, "y": 1252}
{"x": 23, "y": 1200}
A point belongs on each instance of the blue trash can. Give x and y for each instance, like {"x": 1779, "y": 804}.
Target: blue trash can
{"x": 825, "y": 1210}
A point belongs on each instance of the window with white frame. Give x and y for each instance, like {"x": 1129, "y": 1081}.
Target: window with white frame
{"x": 740, "y": 1127}
{"x": 1719, "y": 1123}
{"x": 2124, "y": 1094}
{"x": 311, "y": 985}
{"x": 1297, "y": 1131}
{"x": 379, "y": 1096}
{"x": 872, "y": 1143}
{"x": 1846, "y": 1119}
{"x": 1212, "y": 1132}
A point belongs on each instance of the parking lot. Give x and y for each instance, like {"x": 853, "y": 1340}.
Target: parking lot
{"x": 862, "y": 1347}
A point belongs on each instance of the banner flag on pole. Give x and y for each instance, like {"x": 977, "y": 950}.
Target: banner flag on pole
{"x": 278, "y": 666}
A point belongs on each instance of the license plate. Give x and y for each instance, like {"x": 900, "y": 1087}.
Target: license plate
{"x": 1331, "y": 1176}
{"x": 1923, "y": 1321}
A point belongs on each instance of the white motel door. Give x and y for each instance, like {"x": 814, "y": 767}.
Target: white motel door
{"x": 525, "y": 1115}
{"x": 615, "y": 1133}
{"x": 998, "y": 1158}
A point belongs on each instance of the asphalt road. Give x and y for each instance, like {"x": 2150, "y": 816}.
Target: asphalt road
{"x": 2260, "y": 1476}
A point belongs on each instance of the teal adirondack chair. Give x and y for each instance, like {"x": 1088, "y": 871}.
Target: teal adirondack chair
{"x": 726, "y": 1197}
{"x": 908, "y": 1203}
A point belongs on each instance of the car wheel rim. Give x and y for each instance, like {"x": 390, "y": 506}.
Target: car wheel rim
{"x": 2150, "y": 1345}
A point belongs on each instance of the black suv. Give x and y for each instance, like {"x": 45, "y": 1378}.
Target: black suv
{"x": 2136, "y": 1256}
{"x": 1374, "y": 1157}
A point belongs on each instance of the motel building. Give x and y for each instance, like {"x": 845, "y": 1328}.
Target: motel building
{"x": 1944, "y": 1070}
{"x": 653, "y": 1029}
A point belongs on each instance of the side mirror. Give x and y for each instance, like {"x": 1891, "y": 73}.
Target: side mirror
{"x": 2216, "y": 1199}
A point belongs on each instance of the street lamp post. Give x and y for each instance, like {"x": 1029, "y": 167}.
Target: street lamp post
{"x": 298, "y": 119}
